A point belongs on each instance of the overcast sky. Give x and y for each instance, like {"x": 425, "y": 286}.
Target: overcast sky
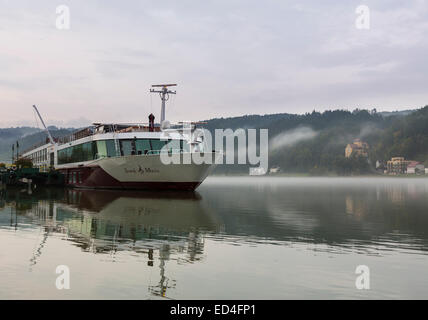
{"x": 228, "y": 57}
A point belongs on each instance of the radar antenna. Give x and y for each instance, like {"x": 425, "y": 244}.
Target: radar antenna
{"x": 164, "y": 93}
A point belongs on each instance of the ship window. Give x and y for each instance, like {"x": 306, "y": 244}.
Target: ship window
{"x": 68, "y": 152}
{"x": 102, "y": 148}
{"x": 157, "y": 145}
{"x": 184, "y": 146}
{"x": 106, "y": 148}
{"x": 173, "y": 146}
{"x": 126, "y": 147}
{"x": 62, "y": 156}
{"x": 79, "y": 153}
{"x": 142, "y": 146}
{"x": 89, "y": 152}
{"x": 111, "y": 149}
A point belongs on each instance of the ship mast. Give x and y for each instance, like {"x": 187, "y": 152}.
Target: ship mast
{"x": 164, "y": 93}
{"x": 46, "y": 129}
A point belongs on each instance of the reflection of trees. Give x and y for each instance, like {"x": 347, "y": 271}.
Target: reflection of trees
{"x": 332, "y": 211}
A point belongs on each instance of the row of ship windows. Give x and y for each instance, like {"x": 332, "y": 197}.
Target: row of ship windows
{"x": 106, "y": 148}
{"x": 75, "y": 177}
{"x": 39, "y": 156}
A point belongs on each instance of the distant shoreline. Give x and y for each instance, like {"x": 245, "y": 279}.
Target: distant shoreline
{"x": 303, "y": 175}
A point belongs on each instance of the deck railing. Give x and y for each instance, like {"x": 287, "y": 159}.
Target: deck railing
{"x": 108, "y": 128}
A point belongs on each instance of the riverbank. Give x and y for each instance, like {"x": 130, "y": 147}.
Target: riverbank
{"x": 307, "y": 175}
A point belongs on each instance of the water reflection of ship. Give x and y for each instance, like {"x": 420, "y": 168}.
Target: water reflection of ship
{"x": 166, "y": 223}
{"x": 157, "y": 226}
{"x": 175, "y": 211}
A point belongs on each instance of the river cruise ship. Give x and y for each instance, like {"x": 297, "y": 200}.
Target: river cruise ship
{"x": 127, "y": 156}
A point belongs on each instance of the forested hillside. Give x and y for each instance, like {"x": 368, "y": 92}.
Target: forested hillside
{"x": 406, "y": 136}
{"x": 26, "y": 137}
{"x": 314, "y": 143}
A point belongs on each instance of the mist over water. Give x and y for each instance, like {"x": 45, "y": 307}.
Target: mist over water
{"x": 291, "y": 137}
{"x": 237, "y": 238}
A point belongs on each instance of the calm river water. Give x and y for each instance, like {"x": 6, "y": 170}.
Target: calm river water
{"x": 235, "y": 238}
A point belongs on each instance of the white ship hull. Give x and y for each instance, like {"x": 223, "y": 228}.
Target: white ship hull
{"x": 136, "y": 172}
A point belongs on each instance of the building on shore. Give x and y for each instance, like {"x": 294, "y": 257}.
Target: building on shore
{"x": 380, "y": 166}
{"x": 415, "y": 167}
{"x": 357, "y": 148}
{"x": 274, "y": 170}
{"x": 398, "y": 165}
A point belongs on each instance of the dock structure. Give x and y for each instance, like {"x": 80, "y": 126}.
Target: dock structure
{"x": 30, "y": 176}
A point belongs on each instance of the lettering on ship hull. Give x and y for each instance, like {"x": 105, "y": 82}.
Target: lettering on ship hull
{"x": 97, "y": 178}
